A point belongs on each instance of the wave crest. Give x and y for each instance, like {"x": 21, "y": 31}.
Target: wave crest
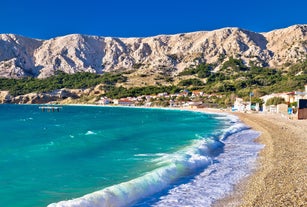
{"x": 175, "y": 166}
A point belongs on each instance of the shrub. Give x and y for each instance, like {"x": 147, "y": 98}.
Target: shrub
{"x": 191, "y": 82}
{"x": 275, "y": 101}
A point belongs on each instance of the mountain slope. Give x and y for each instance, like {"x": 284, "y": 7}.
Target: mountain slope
{"x": 17, "y": 55}
{"x": 20, "y": 56}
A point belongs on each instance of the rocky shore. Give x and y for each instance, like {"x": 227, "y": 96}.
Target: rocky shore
{"x": 60, "y": 96}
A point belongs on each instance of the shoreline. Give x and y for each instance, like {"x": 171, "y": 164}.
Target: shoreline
{"x": 199, "y": 110}
{"x": 90, "y": 196}
{"x": 235, "y": 197}
{"x": 281, "y": 174}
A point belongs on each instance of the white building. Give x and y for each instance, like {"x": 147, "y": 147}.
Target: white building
{"x": 104, "y": 101}
{"x": 239, "y": 105}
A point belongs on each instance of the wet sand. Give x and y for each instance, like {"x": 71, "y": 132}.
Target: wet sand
{"x": 281, "y": 175}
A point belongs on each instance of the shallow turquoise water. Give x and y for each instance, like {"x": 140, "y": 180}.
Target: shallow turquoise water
{"x": 49, "y": 157}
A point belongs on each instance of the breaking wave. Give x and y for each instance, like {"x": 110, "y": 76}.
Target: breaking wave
{"x": 173, "y": 167}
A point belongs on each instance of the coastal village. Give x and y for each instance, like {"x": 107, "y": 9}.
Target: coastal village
{"x": 290, "y": 104}
{"x": 294, "y": 104}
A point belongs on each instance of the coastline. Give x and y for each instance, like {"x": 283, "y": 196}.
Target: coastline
{"x": 281, "y": 176}
{"x": 281, "y": 170}
{"x": 101, "y": 194}
{"x": 202, "y": 110}
{"x": 240, "y": 192}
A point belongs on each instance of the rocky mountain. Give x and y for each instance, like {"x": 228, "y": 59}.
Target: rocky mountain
{"x": 21, "y": 56}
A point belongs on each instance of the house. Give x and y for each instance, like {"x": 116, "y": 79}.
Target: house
{"x": 115, "y": 101}
{"x": 148, "y": 98}
{"x": 295, "y": 96}
{"x": 141, "y": 98}
{"x": 289, "y": 98}
{"x": 164, "y": 94}
{"x": 273, "y": 95}
{"x": 300, "y": 95}
{"x": 197, "y": 93}
{"x": 240, "y": 105}
{"x": 104, "y": 101}
{"x": 194, "y": 104}
{"x": 265, "y": 98}
{"x": 184, "y": 93}
{"x": 125, "y": 102}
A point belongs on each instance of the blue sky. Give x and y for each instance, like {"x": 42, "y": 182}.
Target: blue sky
{"x": 45, "y": 19}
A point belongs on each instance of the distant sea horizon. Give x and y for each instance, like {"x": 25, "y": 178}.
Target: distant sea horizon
{"x": 85, "y": 156}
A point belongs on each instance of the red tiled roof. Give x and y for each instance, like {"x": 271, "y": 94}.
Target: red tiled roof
{"x": 125, "y": 100}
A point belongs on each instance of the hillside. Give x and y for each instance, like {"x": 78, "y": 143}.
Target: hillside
{"x": 164, "y": 54}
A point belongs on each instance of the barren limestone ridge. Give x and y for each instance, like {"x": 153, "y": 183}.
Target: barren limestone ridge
{"x": 21, "y": 56}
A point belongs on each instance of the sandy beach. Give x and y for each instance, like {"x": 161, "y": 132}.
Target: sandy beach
{"x": 281, "y": 175}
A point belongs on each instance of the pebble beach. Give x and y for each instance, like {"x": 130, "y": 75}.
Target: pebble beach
{"x": 281, "y": 175}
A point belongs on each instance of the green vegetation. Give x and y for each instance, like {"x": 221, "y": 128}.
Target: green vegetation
{"x": 60, "y": 80}
{"x": 202, "y": 71}
{"x": 233, "y": 65}
{"x": 191, "y": 82}
{"x": 299, "y": 68}
{"x": 121, "y": 92}
{"x": 137, "y": 65}
{"x": 275, "y": 101}
{"x": 244, "y": 80}
{"x": 233, "y": 78}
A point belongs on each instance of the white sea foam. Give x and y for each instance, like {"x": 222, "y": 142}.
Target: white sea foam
{"x": 129, "y": 192}
{"x": 90, "y": 133}
{"x": 200, "y": 155}
{"x": 150, "y": 155}
{"x": 218, "y": 179}
{"x": 178, "y": 165}
{"x": 26, "y": 119}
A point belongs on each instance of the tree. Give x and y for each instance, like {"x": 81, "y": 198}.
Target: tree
{"x": 191, "y": 82}
{"x": 275, "y": 101}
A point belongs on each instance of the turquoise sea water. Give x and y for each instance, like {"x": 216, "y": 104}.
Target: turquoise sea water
{"x": 125, "y": 155}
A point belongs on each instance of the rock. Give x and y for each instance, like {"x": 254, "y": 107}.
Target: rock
{"x": 5, "y": 97}
{"x": 20, "y": 56}
{"x": 42, "y": 98}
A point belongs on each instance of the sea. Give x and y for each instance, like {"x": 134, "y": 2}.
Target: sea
{"x": 92, "y": 156}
